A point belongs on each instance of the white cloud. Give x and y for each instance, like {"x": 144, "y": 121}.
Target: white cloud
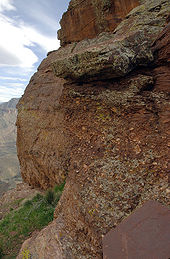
{"x": 7, "y": 93}
{"x": 15, "y": 43}
{"x": 15, "y": 84}
{"x": 17, "y": 39}
{"x": 13, "y": 78}
{"x": 6, "y": 5}
{"x": 21, "y": 45}
{"x": 34, "y": 36}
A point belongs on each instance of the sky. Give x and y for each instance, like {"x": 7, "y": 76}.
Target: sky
{"x": 28, "y": 31}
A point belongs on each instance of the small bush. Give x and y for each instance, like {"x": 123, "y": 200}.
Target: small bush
{"x": 57, "y": 198}
{"x": 33, "y": 215}
{"x": 59, "y": 187}
{"x": 28, "y": 203}
{"x": 1, "y": 253}
{"x": 37, "y": 197}
{"x": 50, "y": 196}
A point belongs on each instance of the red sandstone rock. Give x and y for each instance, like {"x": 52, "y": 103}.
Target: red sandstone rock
{"x": 112, "y": 55}
{"x": 162, "y": 53}
{"x": 86, "y": 19}
{"x": 109, "y": 137}
{"x": 144, "y": 234}
{"x": 40, "y": 153}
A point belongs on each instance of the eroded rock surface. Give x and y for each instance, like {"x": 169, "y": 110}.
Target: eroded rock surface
{"x": 86, "y": 19}
{"x": 112, "y": 55}
{"x": 108, "y": 137}
{"x": 41, "y": 143}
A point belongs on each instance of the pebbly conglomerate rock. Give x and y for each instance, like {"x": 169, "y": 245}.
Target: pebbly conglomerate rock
{"x": 108, "y": 138}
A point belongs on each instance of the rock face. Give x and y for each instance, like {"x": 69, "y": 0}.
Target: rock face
{"x": 107, "y": 135}
{"x": 86, "y": 19}
{"x": 162, "y": 52}
{"x": 119, "y": 242}
{"x": 114, "y": 55}
{"x": 41, "y": 144}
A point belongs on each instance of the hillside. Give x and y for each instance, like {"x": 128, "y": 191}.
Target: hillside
{"x": 96, "y": 114}
{"x": 9, "y": 165}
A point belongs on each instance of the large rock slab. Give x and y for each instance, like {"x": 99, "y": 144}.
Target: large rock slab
{"x": 112, "y": 55}
{"x": 40, "y": 140}
{"x": 86, "y": 19}
{"x": 144, "y": 234}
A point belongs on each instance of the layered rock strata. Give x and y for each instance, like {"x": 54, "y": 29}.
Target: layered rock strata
{"x": 85, "y": 19}
{"x": 105, "y": 131}
{"x": 112, "y": 55}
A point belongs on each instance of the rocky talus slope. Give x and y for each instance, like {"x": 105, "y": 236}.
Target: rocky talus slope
{"x": 97, "y": 114}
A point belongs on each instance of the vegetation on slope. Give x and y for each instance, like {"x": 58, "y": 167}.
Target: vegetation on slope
{"x": 19, "y": 224}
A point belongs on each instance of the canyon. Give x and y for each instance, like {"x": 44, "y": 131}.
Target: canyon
{"x": 96, "y": 114}
{"x": 9, "y": 165}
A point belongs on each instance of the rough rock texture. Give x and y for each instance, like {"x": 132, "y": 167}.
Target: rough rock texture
{"x": 112, "y": 55}
{"x": 119, "y": 242}
{"x": 85, "y": 19}
{"x": 41, "y": 144}
{"x": 162, "y": 53}
{"x": 109, "y": 137}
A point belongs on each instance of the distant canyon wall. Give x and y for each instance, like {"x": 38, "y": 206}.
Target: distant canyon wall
{"x": 9, "y": 164}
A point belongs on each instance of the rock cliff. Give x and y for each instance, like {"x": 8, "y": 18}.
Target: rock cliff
{"x": 96, "y": 113}
{"x": 87, "y": 18}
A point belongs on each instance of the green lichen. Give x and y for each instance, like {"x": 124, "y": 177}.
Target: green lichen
{"x": 100, "y": 7}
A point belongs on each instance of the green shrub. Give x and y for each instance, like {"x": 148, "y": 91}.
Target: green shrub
{"x": 38, "y": 197}
{"x": 57, "y": 198}
{"x": 1, "y": 253}
{"x": 50, "y": 196}
{"x": 59, "y": 187}
{"x": 16, "y": 226}
{"x": 28, "y": 203}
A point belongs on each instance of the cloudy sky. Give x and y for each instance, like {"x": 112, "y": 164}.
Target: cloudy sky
{"x": 28, "y": 30}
